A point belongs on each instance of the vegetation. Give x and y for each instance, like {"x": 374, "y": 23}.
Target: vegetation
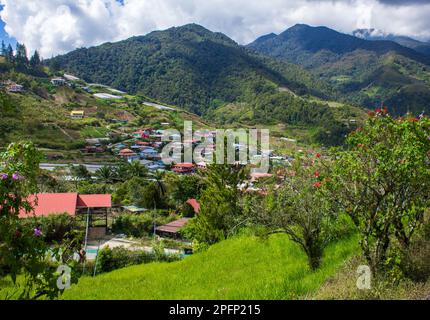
{"x": 23, "y": 249}
{"x": 368, "y": 73}
{"x": 243, "y": 267}
{"x": 383, "y": 182}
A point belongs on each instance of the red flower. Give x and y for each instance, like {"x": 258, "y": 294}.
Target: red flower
{"x": 317, "y": 184}
{"x": 378, "y": 110}
{"x": 316, "y": 174}
{"x": 385, "y": 110}
{"x": 318, "y": 155}
{"x": 371, "y": 113}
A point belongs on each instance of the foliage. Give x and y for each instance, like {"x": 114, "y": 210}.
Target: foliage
{"x": 240, "y": 268}
{"x": 56, "y": 228}
{"x": 367, "y": 73}
{"x": 120, "y": 257}
{"x": 220, "y": 212}
{"x": 383, "y": 182}
{"x": 139, "y": 225}
{"x": 299, "y": 209}
{"x": 23, "y": 249}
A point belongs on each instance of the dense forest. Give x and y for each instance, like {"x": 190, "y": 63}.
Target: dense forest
{"x": 368, "y": 73}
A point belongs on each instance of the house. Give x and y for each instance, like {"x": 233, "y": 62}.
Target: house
{"x": 183, "y": 168}
{"x": 15, "y": 88}
{"x": 257, "y": 175}
{"x": 194, "y": 204}
{"x": 128, "y": 154}
{"x": 76, "y": 114}
{"x": 93, "y": 149}
{"x": 133, "y": 209}
{"x": 149, "y": 153}
{"x": 172, "y": 229}
{"x": 92, "y": 209}
{"x": 142, "y": 134}
{"x": 70, "y": 77}
{"x": 58, "y": 82}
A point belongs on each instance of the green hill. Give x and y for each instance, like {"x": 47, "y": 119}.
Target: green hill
{"x": 240, "y": 268}
{"x": 363, "y": 72}
{"x": 187, "y": 66}
{"x": 41, "y": 113}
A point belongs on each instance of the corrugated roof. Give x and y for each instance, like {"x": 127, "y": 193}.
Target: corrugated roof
{"x": 194, "y": 204}
{"x": 174, "y": 226}
{"x": 45, "y": 204}
{"x": 94, "y": 201}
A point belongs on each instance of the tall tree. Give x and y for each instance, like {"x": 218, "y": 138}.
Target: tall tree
{"x": 383, "y": 182}
{"x": 9, "y": 53}
{"x": 35, "y": 60}
{"x": 21, "y": 55}
{"x": 3, "y": 48}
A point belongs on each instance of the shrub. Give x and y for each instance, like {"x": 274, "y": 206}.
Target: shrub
{"x": 120, "y": 257}
{"x": 138, "y": 225}
{"x": 55, "y": 228}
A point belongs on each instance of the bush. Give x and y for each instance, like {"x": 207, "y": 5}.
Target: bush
{"x": 55, "y": 228}
{"x": 138, "y": 225}
{"x": 116, "y": 258}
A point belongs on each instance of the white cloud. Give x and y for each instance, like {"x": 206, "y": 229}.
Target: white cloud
{"x": 58, "y": 26}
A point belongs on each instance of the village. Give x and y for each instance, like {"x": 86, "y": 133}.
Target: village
{"x": 144, "y": 145}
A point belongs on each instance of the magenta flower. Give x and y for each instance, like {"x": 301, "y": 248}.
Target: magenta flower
{"x": 37, "y": 232}
{"x": 4, "y": 176}
{"x": 16, "y": 176}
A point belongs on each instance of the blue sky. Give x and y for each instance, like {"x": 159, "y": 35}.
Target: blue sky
{"x": 3, "y": 35}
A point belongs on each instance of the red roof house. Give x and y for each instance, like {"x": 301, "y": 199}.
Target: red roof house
{"x": 183, "y": 168}
{"x": 193, "y": 203}
{"x": 45, "y": 204}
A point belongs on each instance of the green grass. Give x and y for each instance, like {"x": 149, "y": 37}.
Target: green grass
{"x": 239, "y": 268}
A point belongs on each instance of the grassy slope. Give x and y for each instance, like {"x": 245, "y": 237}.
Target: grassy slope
{"x": 240, "y": 268}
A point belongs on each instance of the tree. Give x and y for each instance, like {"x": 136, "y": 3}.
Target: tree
{"x": 79, "y": 173}
{"x": 21, "y": 55}
{"x": 135, "y": 169}
{"x": 23, "y": 250}
{"x": 35, "y": 60}
{"x": 220, "y": 212}
{"x": 383, "y": 182}
{"x": 298, "y": 209}
{"x": 9, "y": 54}
{"x": 105, "y": 174}
{"x": 3, "y": 48}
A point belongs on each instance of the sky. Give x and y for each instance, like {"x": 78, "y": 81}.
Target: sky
{"x": 59, "y": 26}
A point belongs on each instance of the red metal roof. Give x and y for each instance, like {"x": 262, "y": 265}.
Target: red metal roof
{"x": 174, "y": 226}
{"x": 194, "y": 204}
{"x": 184, "y": 165}
{"x": 52, "y": 203}
{"x": 94, "y": 201}
{"x": 126, "y": 152}
{"x": 45, "y": 204}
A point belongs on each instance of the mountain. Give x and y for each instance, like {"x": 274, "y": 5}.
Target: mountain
{"x": 187, "y": 66}
{"x": 375, "y": 34}
{"x": 365, "y": 72}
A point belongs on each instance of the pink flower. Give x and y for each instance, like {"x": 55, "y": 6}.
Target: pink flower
{"x": 16, "y": 176}
{"x": 4, "y": 176}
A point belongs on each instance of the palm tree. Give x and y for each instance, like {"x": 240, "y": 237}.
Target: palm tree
{"x": 158, "y": 177}
{"x": 135, "y": 169}
{"x": 105, "y": 174}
